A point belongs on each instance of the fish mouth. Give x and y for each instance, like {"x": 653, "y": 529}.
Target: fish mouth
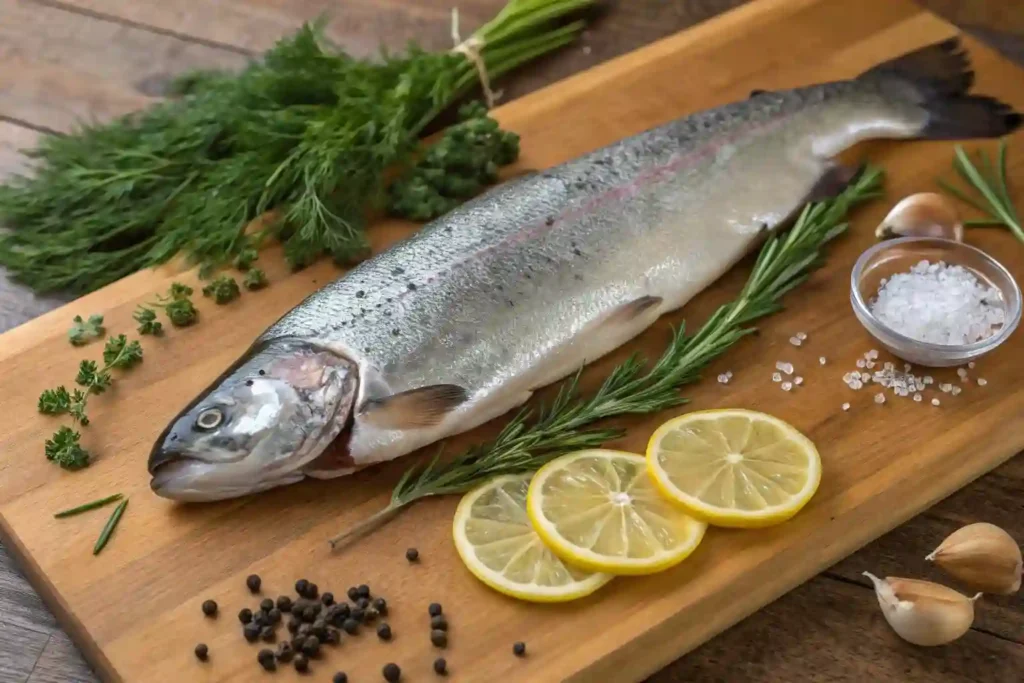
{"x": 191, "y": 480}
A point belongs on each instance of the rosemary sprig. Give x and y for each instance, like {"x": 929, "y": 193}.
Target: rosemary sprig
{"x": 86, "y": 507}
{"x": 634, "y": 387}
{"x": 108, "y": 528}
{"x": 990, "y": 184}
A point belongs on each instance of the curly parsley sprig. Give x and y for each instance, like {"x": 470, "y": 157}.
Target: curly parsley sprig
{"x": 64, "y": 447}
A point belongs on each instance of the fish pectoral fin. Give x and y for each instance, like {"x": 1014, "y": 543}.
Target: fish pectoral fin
{"x": 630, "y": 311}
{"x": 835, "y": 179}
{"x": 423, "y": 407}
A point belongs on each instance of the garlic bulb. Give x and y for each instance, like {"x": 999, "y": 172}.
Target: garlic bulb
{"x": 925, "y": 214}
{"x": 922, "y": 612}
{"x": 983, "y": 556}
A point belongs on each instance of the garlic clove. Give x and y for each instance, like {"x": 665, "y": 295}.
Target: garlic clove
{"x": 925, "y": 214}
{"x": 922, "y": 612}
{"x": 983, "y": 556}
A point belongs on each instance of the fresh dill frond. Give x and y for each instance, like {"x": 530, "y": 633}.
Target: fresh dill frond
{"x": 636, "y": 387}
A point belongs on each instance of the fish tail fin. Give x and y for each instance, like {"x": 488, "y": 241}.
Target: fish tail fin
{"x": 937, "y": 78}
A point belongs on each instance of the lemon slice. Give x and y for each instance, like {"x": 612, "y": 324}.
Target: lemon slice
{"x": 495, "y": 540}
{"x": 735, "y": 468}
{"x": 599, "y": 510}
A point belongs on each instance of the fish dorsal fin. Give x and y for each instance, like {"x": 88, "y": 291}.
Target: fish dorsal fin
{"x": 423, "y": 407}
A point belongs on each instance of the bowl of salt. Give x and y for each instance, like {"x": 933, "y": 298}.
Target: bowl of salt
{"x": 934, "y": 302}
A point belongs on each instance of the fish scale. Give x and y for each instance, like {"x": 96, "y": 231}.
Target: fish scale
{"x": 533, "y": 279}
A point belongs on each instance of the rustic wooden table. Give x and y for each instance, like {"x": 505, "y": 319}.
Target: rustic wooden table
{"x": 829, "y": 629}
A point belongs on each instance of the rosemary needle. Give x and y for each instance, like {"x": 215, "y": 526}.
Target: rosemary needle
{"x": 109, "y": 527}
{"x": 634, "y": 387}
{"x": 991, "y": 187}
{"x": 88, "y": 506}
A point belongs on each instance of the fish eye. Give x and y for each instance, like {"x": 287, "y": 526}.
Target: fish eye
{"x": 209, "y": 419}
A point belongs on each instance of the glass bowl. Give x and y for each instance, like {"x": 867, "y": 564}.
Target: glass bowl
{"x": 898, "y": 255}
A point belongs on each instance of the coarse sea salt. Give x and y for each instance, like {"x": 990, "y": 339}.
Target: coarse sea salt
{"x": 939, "y": 304}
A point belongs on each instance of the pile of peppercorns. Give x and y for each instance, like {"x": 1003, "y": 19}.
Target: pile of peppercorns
{"x": 315, "y": 619}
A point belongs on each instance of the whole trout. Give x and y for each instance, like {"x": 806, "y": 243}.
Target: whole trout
{"x": 521, "y": 286}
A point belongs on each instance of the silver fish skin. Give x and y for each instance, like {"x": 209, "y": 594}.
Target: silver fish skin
{"x": 523, "y": 285}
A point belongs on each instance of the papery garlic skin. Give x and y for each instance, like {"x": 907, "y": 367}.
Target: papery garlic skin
{"x": 983, "y": 556}
{"x": 925, "y": 214}
{"x": 922, "y": 612}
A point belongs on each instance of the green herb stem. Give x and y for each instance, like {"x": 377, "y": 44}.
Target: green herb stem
{"x": 108, "y": 528}
{"x": 533, "y": 438}
{"x": 992, "y": 192}
{"x": 88, "y": 506}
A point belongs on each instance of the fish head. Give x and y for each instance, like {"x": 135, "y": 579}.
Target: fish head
{"x": 275, "y": 410}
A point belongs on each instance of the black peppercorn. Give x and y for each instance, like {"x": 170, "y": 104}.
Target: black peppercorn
{"x": 285, "y": 652}
{"x": 351, "y": 626}
{"x": 300, "y": 587}
{"x": 434, "y": 609}
{"x": 266, "y": 660}
{"x": 439, "y": 623}
{"x": 371, "y": 615}
{"x": 202, "y": 652}
{"x": 296, "y": 643}
{"x": 312, "y": 591}
{"x": 353, "y": 593}
{"x": 293, "y": 625}
{"x": 363, "y": 591}
{"x": 311, "y": 648}
{"x": 363, "y": 603}
{"x": 333, "y": 636}
{"x": 412, "y": 554}
{"x": 301, "y": 663}
{"x": 381, "y": 605}
{"x": 253, "y": 581}
{"x": 342, "y": 610}
{"x": 519, "y": 649}
{"x": 340, "y": 677}
{"x": 391, "y": 672}
{"x": 327, "y": 599}
{"x": 267, "y": 634}
{"x": 210, "y": 608}
{"x": 317, "y": 608}
{"x": 284, "y": 603}
{"x": 245, "y": 615}
{"x": 260, "y": 618}
{"x": 439, "y": 638}
{"x": 440, "y": 666}
{"x": 320, "y": 629}
{"x": 384, "y": 632}
{"x": 358, "y": 614}
{"x": 251, "y": 632}
{"x": 266, "y": 604}
{"x": 305, "y": 630}
{"x": 309, "y": 614}
{"x": 274, "y": 615}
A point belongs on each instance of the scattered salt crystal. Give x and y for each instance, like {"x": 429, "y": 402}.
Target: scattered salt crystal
{"x": 945, "y": 388}
{"x": 970, "y": 364}
{"x": 802, "y": 336}
{"x": 962, "y": 373}
{"x": 779, "y": 365}
{"x": 928, "y": 379}
{"x": 847, "y": 377}
{"x": 846, "y": 406}
{"x": 917, "y": 398}
{"x": 940, "y": 304}
{"x": 586, "y": 49}
{"x": 786, "y": 386}
{"x": 907, "y": 367}
{"x": 821, "y": 361}
{"x": 723, "y": 379}
{"x": 856, "y": 384}
{"x": 788, "y": 368}
{"x": 879, "y": 398}
{"x": 864, "y": 377}
{"x": 870, "y": 364}
{"x": 872, "y": 354}
{"x": 982, "y": 381}
{"x": 861, "y": 362}
{"x": 955, "y": 391}
{"x": 728, "y": 373}
{"x": 798, "y": 380}
{"x": 935, "y": 401}
{"x": 776, "y": 377}
{"x": 888, "y": 366}
{"x": 795, "y": 341}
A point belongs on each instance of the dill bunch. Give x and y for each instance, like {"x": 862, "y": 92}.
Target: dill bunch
{"x": 304, "y": 135}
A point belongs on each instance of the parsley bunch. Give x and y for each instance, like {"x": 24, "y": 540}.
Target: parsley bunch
{"x": 304, "y": 135}
{"x": 64, "y": 446}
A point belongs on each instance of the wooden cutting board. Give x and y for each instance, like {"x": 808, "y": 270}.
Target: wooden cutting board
{"x": 134, "y": 609}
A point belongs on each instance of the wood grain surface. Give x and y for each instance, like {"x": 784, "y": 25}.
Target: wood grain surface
{"x": 771, "y": 645}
